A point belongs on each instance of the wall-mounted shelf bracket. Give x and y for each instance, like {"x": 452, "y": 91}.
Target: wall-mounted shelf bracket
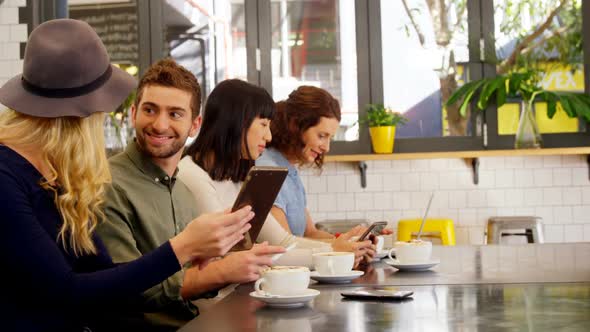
{"x": 474, "y": 164}
{"x": 363, "y": 169}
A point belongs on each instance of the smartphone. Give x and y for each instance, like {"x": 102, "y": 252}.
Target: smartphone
{"x": 376, "y": 226}
{"x": 259, "y": 190}
{"x": 378, "y": 293}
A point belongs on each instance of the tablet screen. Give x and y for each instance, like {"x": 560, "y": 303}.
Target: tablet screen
{"x": 259, "y": 190}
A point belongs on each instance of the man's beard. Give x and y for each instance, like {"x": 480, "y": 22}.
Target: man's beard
{"x": 161, "y": 153}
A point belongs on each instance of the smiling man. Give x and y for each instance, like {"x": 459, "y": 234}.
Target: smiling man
{"x": 146, "y": 205}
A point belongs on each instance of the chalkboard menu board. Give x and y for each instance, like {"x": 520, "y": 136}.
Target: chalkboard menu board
{"x": 116, "y": 26}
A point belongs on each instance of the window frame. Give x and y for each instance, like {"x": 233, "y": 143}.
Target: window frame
{"x": 369, "y": 68}
{"x": 484, "y": 124}
{"x": 370, "y": 79}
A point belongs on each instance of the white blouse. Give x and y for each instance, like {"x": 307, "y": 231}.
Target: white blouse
{"x": 212, "y": 196}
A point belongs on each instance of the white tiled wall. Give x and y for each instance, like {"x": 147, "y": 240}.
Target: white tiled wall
{"x": 11, "y": 35}
{"x": 556, "y": 188}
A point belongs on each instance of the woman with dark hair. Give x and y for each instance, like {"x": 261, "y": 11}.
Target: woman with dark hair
{"x": 234, "y": 110}
{"x": 302, "y": 129}
{"x": 234, "y": 133}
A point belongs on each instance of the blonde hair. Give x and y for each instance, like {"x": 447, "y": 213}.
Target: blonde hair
{"x": 73, "y": 149}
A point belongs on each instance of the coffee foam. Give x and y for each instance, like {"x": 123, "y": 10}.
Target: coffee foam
{"x": 333, "y": 254}
{"x": 288, "y": 268}
{"x": 413, "y": 242}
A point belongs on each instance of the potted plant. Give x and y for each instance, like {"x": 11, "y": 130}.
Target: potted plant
{"x": 523, "y": 85}
{"x": 382, "y": 121}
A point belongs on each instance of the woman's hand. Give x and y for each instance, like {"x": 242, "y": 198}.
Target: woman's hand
{"x": 370, "y": 254}
{"x": 386, "y": 231}
{"x": 359, "y": 248}
{"x": 245, "y": 266}
{"x": 211, "y": 235}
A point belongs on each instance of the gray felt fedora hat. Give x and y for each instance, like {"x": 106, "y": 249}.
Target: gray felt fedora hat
{"x": 66, "y": 72}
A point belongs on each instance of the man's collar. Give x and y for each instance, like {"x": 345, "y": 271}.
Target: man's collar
{"x": 147, "y": 166}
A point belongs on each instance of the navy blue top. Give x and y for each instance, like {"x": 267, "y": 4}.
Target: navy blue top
{"x": 48, "y": 287}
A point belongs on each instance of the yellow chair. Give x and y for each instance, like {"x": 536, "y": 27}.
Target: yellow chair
{"x": 408, "y": 228}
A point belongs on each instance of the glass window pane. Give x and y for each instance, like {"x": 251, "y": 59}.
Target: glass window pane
{"x": 546, "y": 39}
{"x": 313, "y": 43}
{"x": 208, "y": 37}
{"x": 424, "y": 60}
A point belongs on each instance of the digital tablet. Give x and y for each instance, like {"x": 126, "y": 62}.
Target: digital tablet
{"x": 259, "y": 190}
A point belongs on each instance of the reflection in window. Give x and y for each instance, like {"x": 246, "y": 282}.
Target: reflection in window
{"x": 313, "y": 43}
{"x": 543, "y": 36}
{"x": 424, "y": 48}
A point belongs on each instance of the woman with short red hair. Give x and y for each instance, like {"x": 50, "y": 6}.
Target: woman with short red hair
{"x": 302, "y": 129}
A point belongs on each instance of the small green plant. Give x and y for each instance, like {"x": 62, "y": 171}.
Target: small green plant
{"x": 523, "y": 85}
{"x": 380, "y": 116}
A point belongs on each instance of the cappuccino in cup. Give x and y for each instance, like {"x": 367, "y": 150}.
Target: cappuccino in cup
{"x": 333, "y": 263}
{"x": 283, "y": 280}
{"x": 413, "y": 252}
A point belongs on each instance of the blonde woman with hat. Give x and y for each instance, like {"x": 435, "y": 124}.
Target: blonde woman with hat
{"x": 58, "y": 275}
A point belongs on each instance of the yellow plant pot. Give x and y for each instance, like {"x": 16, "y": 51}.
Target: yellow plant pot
{"x": 382, "y": 138}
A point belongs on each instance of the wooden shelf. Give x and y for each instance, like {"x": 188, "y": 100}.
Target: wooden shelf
{"x": 471, "y": 157}
{"x": 458, "y": 154}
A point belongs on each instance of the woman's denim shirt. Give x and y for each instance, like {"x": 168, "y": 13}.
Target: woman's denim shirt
{"x": 291, "y": 198}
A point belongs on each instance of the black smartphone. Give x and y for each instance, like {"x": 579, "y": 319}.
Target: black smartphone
{"x": 259, "y": 190}
{"x": 377, "y": 227}
{"x": 378, "y": 293}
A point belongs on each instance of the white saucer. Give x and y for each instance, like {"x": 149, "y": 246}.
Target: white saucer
{"x": 336, "y": 279}
{"x": 412, "y": 266}
{"x": 284, "y": 301}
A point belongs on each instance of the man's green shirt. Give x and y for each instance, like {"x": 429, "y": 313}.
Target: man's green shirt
{"x": 144, "y": 207}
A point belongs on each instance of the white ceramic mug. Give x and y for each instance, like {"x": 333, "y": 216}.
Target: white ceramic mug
{"x": 333, "y": 263}
{"x": 380, "y": 243}
{"x": 283, "y": 280}
{"x": 412, "y": 252}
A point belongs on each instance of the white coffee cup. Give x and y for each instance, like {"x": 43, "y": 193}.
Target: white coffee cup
{"x": 333, "y": 263}
{"x": 283, "y": 280}
{"x": 380, "y": 243}
{"x": 413, "y": 252}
